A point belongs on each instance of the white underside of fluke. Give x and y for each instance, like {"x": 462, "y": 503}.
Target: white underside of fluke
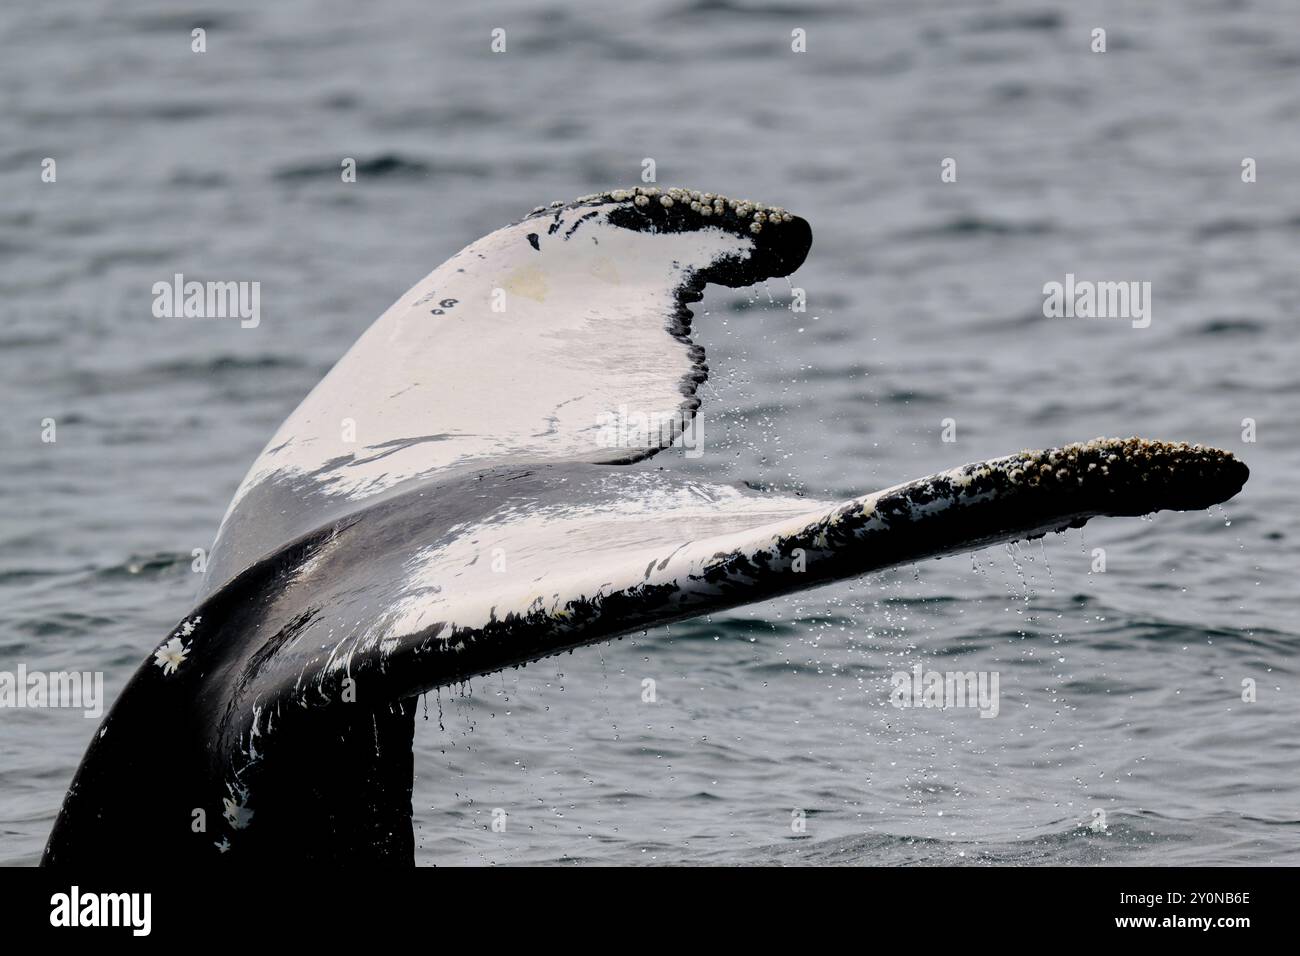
{"x": 505, "y": 352}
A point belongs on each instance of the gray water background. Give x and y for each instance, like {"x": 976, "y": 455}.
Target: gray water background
{"x": 1120, "y": 691}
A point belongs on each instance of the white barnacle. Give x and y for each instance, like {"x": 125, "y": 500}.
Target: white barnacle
{"x": 171, "y": 655}
{"x": 642, "y": 200}
{"x": 666, "y": 201}
{"x": 237, "y": 816}
{"x": 755, "y": 227}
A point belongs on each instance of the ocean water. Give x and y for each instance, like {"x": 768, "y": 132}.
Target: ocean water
{"x": 771, "y": 740}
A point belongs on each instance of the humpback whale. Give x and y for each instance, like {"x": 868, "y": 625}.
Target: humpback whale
{"x": 447, "y": 503}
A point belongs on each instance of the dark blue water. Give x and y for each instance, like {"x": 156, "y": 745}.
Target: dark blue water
{"x": 1121, "y": 692}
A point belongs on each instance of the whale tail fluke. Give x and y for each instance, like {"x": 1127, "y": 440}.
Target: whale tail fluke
{"x": 477, "y": 516}
{"x": 288, "y": 716}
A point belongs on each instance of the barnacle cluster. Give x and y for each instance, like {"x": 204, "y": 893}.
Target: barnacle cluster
{"x": 1113, "y": 476}
{"x": 1157, "y": 473}
{"x": 743, "y": 212}
{"x": 1112, "y": 458}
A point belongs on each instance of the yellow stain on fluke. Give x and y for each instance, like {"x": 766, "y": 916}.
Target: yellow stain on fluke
{"x": 529, "y": 282}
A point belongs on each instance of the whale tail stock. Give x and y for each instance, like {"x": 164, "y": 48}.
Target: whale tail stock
{"x": 482, "y": 517}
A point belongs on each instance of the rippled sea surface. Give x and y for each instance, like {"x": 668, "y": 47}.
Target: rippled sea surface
{"x": 1121, "y": 692}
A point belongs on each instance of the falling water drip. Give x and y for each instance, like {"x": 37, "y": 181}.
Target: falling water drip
{"x": 1013, "y": 551}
